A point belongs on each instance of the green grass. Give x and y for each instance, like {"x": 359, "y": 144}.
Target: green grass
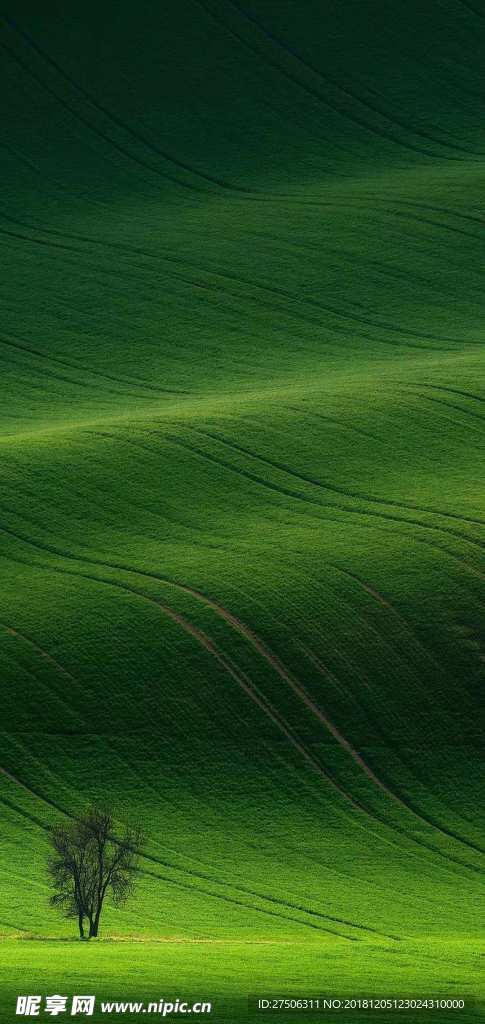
{"x": 227, "y": 972}
{"x": 242, "y": 527}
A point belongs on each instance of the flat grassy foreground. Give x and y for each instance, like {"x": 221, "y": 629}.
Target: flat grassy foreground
{"x": 226, "y": 972}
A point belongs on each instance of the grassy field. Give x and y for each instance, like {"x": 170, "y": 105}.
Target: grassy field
{"x": 242, "y": 522}
{"x": 128, "y": 972}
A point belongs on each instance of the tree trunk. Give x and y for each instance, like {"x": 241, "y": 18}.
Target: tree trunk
{"x": 94, "y": 925}
{"x": 81, "y": 926}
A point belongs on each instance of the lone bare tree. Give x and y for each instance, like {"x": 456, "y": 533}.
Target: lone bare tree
{"x": 89, "y": 862}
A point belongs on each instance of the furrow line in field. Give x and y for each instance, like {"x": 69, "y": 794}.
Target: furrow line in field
{"x": 32, "y": 792}
{"x": 347, "y": 746}
{"x": 276, "y": 718}
{"x": 459, "y": 408}
{"x": 86, "y": 369}
{"x": 224, "y": 660}
{"x": 53, "y": 694}
{"x": 129, "y": 129}
{"x": 336, "y": 422}
{"x": 42, "y": 371}
{"x": 345, "y": 90}
{"x": 249, "y": 906}
{"x": 405, "y": 215}
{"x": 453, "y": 391}
{"x": 346, "y": 115}
{"x": 189, "y": 886}
{"x": 92, "y": 128}
{"x": 281, "y": 670}
{"x": 14, "y": 927}
{"x": 280, "y": 292}
{"x": 259, "y": 286}
{"x": 324, "y": 485}
{"x": 469, "y": 7}
{"x": 309, "y": 703}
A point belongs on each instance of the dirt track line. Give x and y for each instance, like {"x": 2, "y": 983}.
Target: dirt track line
{"x": 209, "y": 645}
{"x": 253, "y": 694}
{"x": 295, "y": 686}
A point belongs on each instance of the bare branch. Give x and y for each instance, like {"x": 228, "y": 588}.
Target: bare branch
{"x": 89, "y": 861}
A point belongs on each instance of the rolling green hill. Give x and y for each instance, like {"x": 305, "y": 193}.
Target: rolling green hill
{"x": 242, "y": 525}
